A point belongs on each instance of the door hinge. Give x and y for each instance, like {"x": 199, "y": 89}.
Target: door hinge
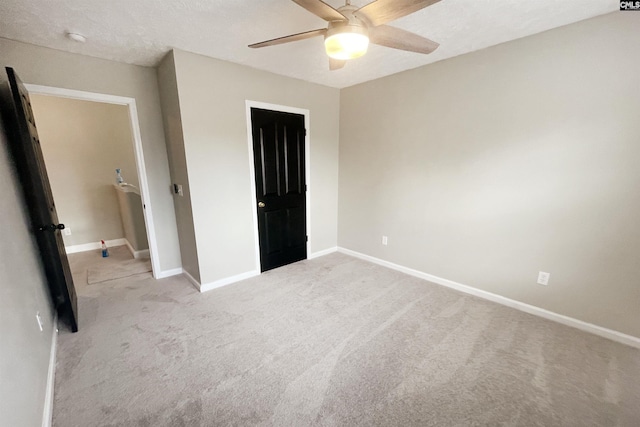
{"x": 307, "y": 238}
{"x": 305, "y": 131}
{"x": 305, "y": 187}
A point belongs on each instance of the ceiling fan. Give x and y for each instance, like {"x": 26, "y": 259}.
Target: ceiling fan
{"x": 351, "y": 29}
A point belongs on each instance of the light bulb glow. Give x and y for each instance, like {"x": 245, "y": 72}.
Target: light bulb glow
{"x": 346, "y": 45}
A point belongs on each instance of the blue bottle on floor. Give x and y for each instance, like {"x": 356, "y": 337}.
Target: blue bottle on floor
{"x": 105, "y": 251}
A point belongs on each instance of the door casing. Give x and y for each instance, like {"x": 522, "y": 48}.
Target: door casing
{"x": 252, "y": 169}
{"x": 137, "y": 150}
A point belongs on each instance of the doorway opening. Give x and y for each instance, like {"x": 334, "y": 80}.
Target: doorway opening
{"x": 85, "y": 137}
{"x": 278, "y": 139}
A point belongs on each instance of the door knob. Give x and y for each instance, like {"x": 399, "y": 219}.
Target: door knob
{"x": 261, "y": 204}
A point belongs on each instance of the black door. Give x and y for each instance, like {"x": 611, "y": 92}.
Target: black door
{"x": 278, "y": 152}
{"x": 25, "y": 147}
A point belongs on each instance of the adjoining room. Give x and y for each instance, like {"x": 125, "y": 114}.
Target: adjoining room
{"x": 88, "y": 150}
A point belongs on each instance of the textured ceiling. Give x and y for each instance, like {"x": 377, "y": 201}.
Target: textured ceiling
{"x": 142, "y": 31}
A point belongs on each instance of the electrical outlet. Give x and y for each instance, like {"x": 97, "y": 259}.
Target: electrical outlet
{"x": 39, "y": 319}
{"x": 67, "y": 231}
{"x": 543, "y": 278}
{"x": 385, "y": 240}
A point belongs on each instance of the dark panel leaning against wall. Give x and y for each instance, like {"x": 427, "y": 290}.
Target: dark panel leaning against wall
{"x": 26, "y": 349}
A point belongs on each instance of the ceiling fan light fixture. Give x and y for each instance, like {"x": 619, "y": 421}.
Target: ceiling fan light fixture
{"x": 347, "y": 33}
{"x": 347, "y": 44}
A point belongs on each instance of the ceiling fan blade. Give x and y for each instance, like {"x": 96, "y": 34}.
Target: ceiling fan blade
{"x": 291, "y": 38}
{"x": 336, "y": 64}
{"x": 321, "y": 9}
{"x": 382, "y": 11}
{"x": 396, "y": 38}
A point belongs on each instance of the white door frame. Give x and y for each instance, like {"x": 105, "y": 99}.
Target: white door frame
{"x": 252, "y": 168}
{"x": 137, "y": 149}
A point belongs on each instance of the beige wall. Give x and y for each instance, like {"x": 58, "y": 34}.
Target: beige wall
{"x": 83, "y": 143}
{"x": 212, "y": 95}
{"x": 24, "y": 349}
{"x": 48, "y": 67}
{"x": 178, "y": 164}
{"x": 486, "y": 168}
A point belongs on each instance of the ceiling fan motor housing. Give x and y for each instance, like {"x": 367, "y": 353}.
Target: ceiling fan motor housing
{"x": 347, "y": 39}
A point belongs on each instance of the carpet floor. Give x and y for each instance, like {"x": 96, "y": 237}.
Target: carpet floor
{"x": 128, "y": 268}
{"x": 333, "y": 341}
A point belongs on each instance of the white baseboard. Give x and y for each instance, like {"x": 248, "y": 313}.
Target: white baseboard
{"x": 143, "y": 254}
{"x": 537, "y": 311}
{"x": 136, "y": 254}
{"x": 167, "y": 273}
{"x": 192, "y": 279}
{"x": 222, "y": 282}
{"x": 47, "y": 414}
{"x": 228, "y": 280}
{"x": 323, "y": 252}
{"x": 94, "y": 245}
